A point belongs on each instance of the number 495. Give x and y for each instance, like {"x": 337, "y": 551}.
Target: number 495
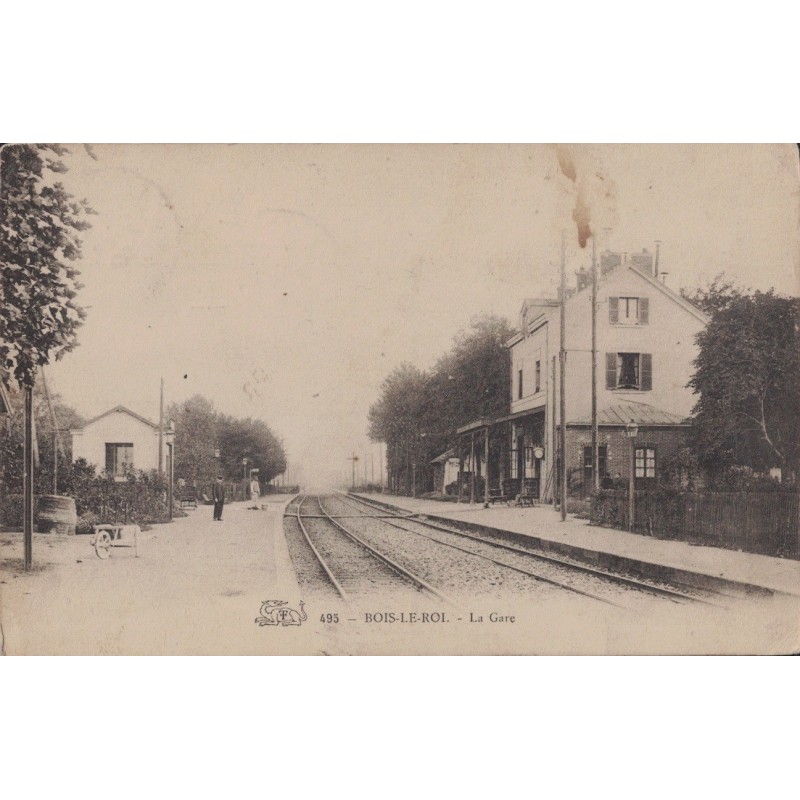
{"x": 329, "y": 618}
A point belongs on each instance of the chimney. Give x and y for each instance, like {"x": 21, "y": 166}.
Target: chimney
{"x": 583, "y": 278}
{"x": 658, "y": 250}
{"x": 609, "y": 261}
{"x": 664, "y": 277}
{"x": 643, "y": 261}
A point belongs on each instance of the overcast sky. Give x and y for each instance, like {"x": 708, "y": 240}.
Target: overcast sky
{"x": 285, "y": 282}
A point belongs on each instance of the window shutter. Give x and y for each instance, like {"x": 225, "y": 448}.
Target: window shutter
{"x": 110, "y": 452}
{"x": 613, "y": 309}
{"x": 647, "y": 372}
{"x": 644, "y": 310}
{"x": 611, "y": 370}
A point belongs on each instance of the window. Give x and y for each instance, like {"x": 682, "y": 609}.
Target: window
{"x": 119, "y": 458}
{"x": 645, "y": 462}
{"x": 530, "y": 463}
{"x": 629, "y": 371}
{"x": 628, "y": 310}
{"x": 538, "y": 376}
{"x": 519, "y": 385}
{"x": 516, "y": 443}
{"x": 602, "y": 465}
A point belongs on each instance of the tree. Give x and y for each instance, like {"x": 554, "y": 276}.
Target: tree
{"x": 200, "y": 430}
{"x": 747, "y": 376}
{"x": 399, "y": 417}
{"x": 253, "y": 440}
{"x": 475, "y": 376}
{"x": 716, "y": 295}
{"x": 40, "y": 221}
{"x": 11, "y": 444}
{"x": 196, "y": 424}
{"x": 418, "y": 412}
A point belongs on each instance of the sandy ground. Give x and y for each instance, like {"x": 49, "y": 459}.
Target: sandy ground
{"x": 198, "y": 586}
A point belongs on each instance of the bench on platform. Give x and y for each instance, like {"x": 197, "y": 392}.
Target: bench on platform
{"x": 529, "y": 494}
{"x": 505, "y": 493}
{"x": 187, "y": 498}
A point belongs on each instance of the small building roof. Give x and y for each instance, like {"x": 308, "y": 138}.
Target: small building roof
{"x": 442, "y": 458}
{"x": 630, "y": 411}
{"x": 122, "y": 410}
{"x": 483, "y": 422}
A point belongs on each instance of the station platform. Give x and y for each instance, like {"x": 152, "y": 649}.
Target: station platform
{"x": 660, "y": 559}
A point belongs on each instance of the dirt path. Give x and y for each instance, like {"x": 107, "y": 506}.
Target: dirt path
{"x": 196, "y": 588}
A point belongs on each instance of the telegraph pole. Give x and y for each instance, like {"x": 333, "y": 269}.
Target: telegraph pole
{"x": 28, "y": 477}
{"x": 56, "y": 437}
{"x": 562, "y": 357}
{"x": 353, "y": 459}
{"x": 161, "y": 430}
{"x": 595, "y": 454}
{"x": 486, "y": 468}
{"x": 472, "y": 468}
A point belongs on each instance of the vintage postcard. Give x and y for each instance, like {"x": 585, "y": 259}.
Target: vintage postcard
{"x": 399, "y": 399}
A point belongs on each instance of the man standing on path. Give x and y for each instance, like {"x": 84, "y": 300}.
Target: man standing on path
{"x": 219, "y": 498}
{"x": 255, "y": 491}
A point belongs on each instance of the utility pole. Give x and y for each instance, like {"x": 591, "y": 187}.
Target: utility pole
{"x": 562, "y": 356}
{"x": 161, "y": 430}
{"x": 380, "y": 463}
{"x": 472, "y": 468}
{"x": 354, "y": 458}
{"x": 595, "y": 454}
{"x": 486, "y": 468}
{"x": 56, "y": 437}
{"x": 171, "y": 456}
{"x": 28, "y": 477}
{"x": 553, "y": 432}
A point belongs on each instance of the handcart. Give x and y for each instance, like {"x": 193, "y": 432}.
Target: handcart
{"x": 111, "y": 535}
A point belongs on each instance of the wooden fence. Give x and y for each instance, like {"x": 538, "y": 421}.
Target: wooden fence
{"x": 757, "y": 522}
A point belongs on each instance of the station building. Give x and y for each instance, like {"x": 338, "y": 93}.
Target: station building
{"x": 645, "y": 352}
{"x": 118, "y": 440}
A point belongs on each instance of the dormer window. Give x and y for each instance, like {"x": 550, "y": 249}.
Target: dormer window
{"x": 628, "y": 310}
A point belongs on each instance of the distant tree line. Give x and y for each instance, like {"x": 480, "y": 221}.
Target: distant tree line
{"x": 201, "y": 431}
{"x": 419, "y": 411}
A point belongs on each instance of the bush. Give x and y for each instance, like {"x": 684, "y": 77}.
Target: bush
{"x": 86, "y": 521}
{"x": 141, "y": 498}
{"x": 744, "y": 479}
{"x": 12, "y": 510}
{"x": 609, "y": 508}
{"x": 581, "y": 507}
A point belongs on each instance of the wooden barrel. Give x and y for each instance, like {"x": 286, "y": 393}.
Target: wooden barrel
{"x": 56, "y": 514}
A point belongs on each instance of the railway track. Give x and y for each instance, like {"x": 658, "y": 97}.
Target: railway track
{"x": 352, "y": 566}
{"x": 411, "y": 524}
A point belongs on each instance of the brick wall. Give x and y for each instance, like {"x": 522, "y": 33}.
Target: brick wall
{"x": 666, "y": 441}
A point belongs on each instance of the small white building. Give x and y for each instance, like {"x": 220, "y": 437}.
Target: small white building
{"x": 118, "y": 440}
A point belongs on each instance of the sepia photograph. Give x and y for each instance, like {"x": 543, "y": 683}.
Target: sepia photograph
{"x": 434, "y": 399}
